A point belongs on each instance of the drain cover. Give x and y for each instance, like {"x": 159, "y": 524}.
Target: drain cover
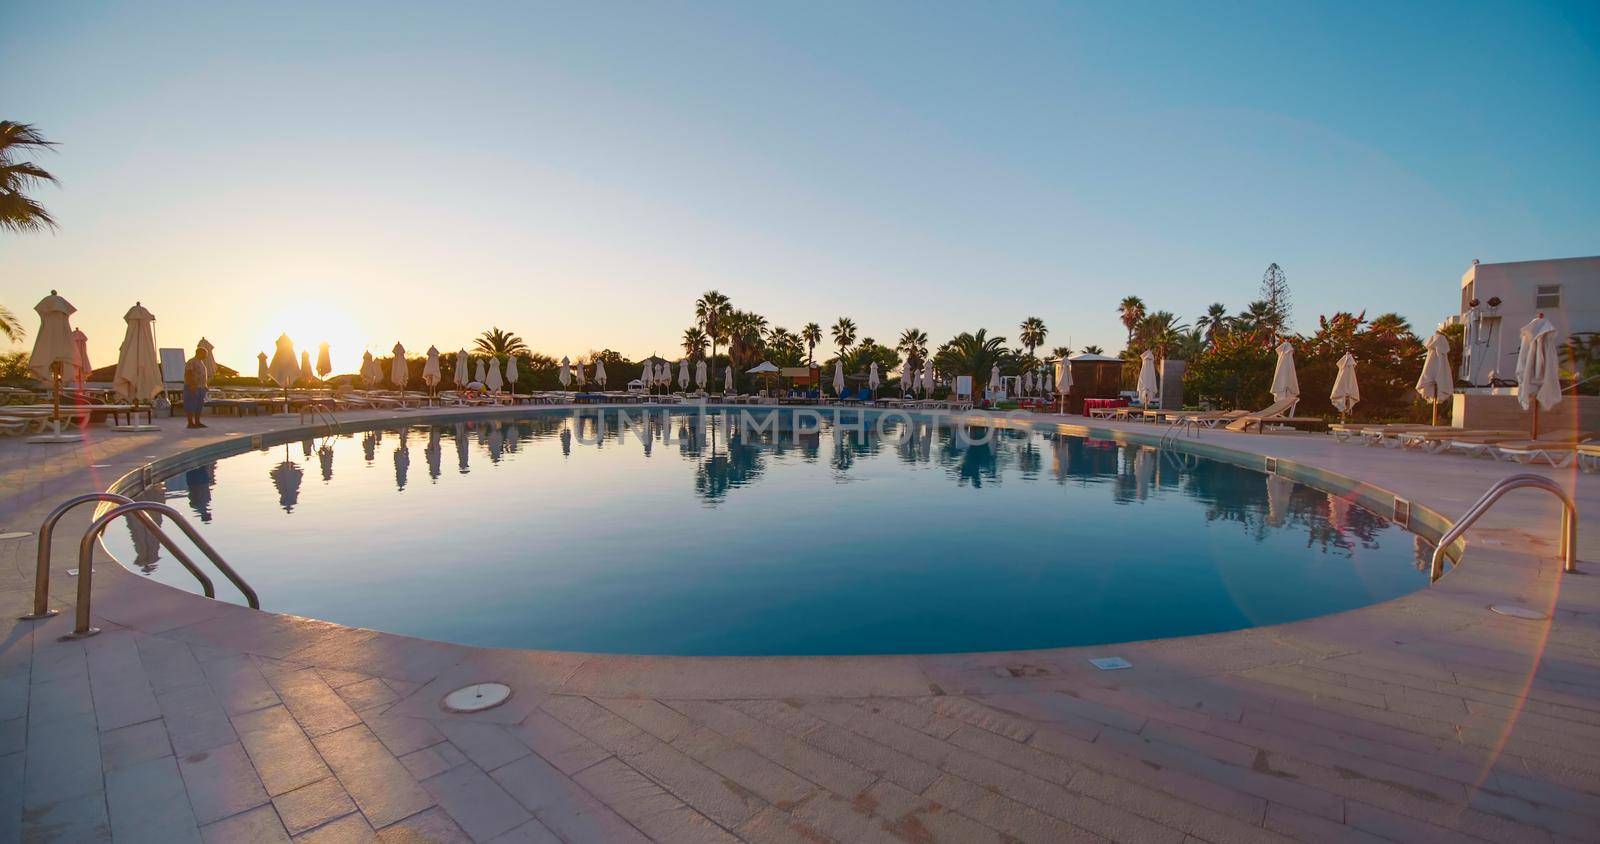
{"x": 477, "y": 697}
{"x": 15, "y": 534}
{"x": 1515, "y": 611}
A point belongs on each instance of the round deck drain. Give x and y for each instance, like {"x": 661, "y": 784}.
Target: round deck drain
{"x": 477, "y": 697}
{"x": 1515, "y": 611}
{"x": 15, "y": 534}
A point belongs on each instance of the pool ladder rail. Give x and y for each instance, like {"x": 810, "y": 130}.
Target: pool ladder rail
{"x": 140, "y": 510}
{"x": 1569, "y": 520}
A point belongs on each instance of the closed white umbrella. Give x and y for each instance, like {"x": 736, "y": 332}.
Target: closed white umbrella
{"x": 683, "y": 374}
{"x": 283, "y": 368}
{"x": 1027, "y": 382}
{"x": 138, "y": 374}
{"x": 494, "y": 382}
{"x": 482, "y": 374}
{"x": 1285, "y": 384}
{"x": 1538, "y": 378}
{"x": 1147, "y": 387}
{"x": 1064, "y": 382}
{"x": 727, "y": 380}
{"x": 261, "y": 367}
{"x": 305, "y": 364}
{"x": 872, "y": 377}
{"x": 398, "y": 373}
{"x": 324, "y": 360}
{"x": 211, "y": 357}
{"x": 1346, "y": 392}
{"x": 577, "y": 374}
{"x": 370, "y": 373}
{"x": 54, "y": 358}
{"x": 431, "y": 374}
{"x": 565, "y": 375}
{"x": 1435, "y": 383}
{"x": 80, "y": 357}
{"x": 700, "y": 374}
{"x": 838, "y": 377}
{"x": 927, "y": 378}
{"x": 664, "y": 374}
{"x": 600, "y": 373}
{"x": 511, "y": 373}
{"x": 647, "y": 377}
{"x": 907, "y": 374}
{"x": 994, "y": 377}
{"x": 463, "y": 371}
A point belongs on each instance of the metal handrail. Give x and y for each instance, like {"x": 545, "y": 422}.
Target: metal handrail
{"x": 98, "y": 526}
{"x": 1569, "y": 519}
{"x": 41, "y": 577}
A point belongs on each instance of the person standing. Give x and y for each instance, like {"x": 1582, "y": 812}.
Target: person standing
{"x": 195, "y": 376}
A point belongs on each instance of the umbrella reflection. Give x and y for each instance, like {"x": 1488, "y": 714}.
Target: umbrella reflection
{"x": 306, "y": 447}
{"x": 369, "y": 446}
{"x": 1279, "y": 490}
{"x": 496, "y": 442}
{"x": 461, "y": 447}
{"x": 432, "y": 452}
{"x": 566, "y": 442}
{"x": 199, "y": 480}
{"x": 402, "y": 462}
{"x": 146, "y": 548}
{"x": 325, "y": 458}
{"x": 286, "y": 477}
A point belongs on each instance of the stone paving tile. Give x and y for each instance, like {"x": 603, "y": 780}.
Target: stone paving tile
{"x": 134, "y": 744}
{"x": 122, "y": 694}
{"x": 257, "y": 826}
{"x": 62, "y": 760}
{"x": 430, "y": 761}
{"x": 313, "y": 805}
{"x": 561, "y": 804}
{"x": 11, "y": 787}
{"x": 195, "y": 720}
{"x": 74, "y": 819}
{"x": 367, "y": 694}
{"x": 402, "y": 734}
{"x": 148, "y": 803}
{"x": 336, "y": 678}
{"x": 489, "y": 746}
{"x": 13, "y": 735}
{"x": 649, "y": 807}
{"x": 559, "y": 744}
{"x": 169, "y": 664}
{"x": 221, "y": 782}
{"x": 430, "y": 827}
{"x": 281, "y": 753}
{"x": 350, "y": 829}
{"x": 382, "y": 787}
{"x": 313, "y": 702}
{"x": 532, "y": 832}
{"x": 476, "y": 802}
{"x": 239, "y": 684}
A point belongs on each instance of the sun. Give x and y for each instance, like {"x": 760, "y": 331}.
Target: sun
{"x": 311, "y": 327}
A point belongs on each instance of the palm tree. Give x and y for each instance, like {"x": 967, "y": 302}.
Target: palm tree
{"x": 10, "y": 326}
{"x": 710, "y": 311}
{"x": 1033, "y": 334}
{"x": 975, "y": 355}
{"x": 844, "y": 334}
{"x": 499, "y": 343}
{"x": 812, "y": 335}
{"x": 1132, "y": 311}
{"x": 694, "y": 341}
{"x": 18, "y": 211}
{"x": 744, "y": 331}
{"x": 1061, "y": 352}
{"x": 1215, "y": 322}
{"x": 1390, "y": 325}
{"x": 913, "y": 346}
{"x": 1259, "y": 320}
{"x": 1162, "y": 333}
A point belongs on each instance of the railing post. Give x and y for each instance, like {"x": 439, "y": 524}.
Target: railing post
{"x": 41, "y": 576}
{"x": 1569, "y": 520}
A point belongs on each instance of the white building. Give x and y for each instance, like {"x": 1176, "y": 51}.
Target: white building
{"x": 1498, "y": 299}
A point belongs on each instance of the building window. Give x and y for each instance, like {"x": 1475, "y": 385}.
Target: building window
{"x": 1466, "y": 296}
{"x": 1547, "y": 296}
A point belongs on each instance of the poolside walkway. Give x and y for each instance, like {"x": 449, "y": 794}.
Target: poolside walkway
{"x": 1425, "y": 718}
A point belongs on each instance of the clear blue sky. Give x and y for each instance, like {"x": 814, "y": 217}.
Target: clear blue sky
{"x": 373, "y": 172}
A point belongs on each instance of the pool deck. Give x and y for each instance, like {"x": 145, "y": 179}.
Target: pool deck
{"x": 1424, "y": 718}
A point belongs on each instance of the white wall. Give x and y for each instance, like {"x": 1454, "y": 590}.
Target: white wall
{"x": 1517, "y": 284}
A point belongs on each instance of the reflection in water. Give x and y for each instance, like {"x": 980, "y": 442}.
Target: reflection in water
{"x": 146, "y": 547}
{"x": 999, "y": 539}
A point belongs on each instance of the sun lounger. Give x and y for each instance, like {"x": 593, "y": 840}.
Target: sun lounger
{"x": 1277, "y": 414}
{"x": 1588, "y": 455}
{"x": 1437, "y": 441}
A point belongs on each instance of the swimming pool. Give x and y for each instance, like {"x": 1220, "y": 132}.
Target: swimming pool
{"x": 757, "y": 532}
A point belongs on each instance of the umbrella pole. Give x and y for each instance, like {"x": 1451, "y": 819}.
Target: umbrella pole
{"x": 1435, "y": 421}
{"x": 55, "y": 395}
{"x": 1535, "y": 419}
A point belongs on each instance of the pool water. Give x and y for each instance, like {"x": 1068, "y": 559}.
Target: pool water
{"x": 685, "y": 533}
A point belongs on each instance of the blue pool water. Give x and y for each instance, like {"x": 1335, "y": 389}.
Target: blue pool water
{"x": 711, "y": 539}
